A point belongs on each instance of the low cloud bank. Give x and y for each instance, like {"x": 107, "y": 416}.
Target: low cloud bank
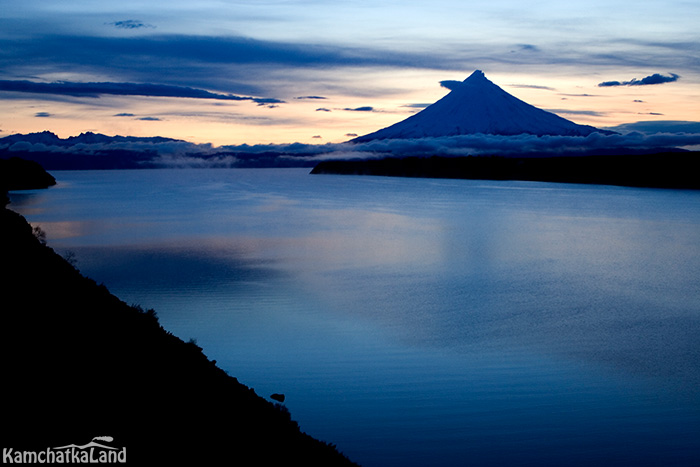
{"x": 132, "y": 152}
{"x": 480, "y": 144}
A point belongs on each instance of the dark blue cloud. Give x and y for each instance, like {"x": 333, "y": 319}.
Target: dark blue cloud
{"x": 42, "y": 114}
{"x": 130, "y": 24}
{"x": 656, "y": 78}
{"x": 123, "y": 89}
{"x": 450, "y": 84}
{"x": 151, "y": 51}
{"x": 242, "y": 65}
{"x": 253, "y": 67}
{"x": 527, "y": 48}
{"x": 360, "y": 109}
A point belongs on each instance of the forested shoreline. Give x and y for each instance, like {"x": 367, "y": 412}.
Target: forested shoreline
{"x": 660, "y": 170}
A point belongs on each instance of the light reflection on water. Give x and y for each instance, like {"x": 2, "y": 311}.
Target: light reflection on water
{"x": 417, "y": 322}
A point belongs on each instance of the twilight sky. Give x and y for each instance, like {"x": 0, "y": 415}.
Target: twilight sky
{"x": 317, "y": 71}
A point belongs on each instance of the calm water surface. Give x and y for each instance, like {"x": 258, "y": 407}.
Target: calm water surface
{"x": 417, "y": 322}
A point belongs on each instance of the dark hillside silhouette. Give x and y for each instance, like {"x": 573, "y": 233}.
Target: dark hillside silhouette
{"x": 20, "y": 174}
{"x": 79, "y": 363}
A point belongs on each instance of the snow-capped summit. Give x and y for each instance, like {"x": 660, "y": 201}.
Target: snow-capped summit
{"x": 476, "y": 105}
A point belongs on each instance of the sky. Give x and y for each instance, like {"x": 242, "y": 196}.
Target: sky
{"x": 322, "y": 71}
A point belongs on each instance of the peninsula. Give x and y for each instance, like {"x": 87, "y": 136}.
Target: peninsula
{"x": 658, "y": 170}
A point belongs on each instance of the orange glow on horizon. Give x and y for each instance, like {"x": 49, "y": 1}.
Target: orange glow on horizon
{"x": 331, "y": 120}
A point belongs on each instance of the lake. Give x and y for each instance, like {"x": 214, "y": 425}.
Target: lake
{"x": 416, "y": 322}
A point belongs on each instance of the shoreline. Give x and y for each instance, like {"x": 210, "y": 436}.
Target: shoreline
{"x": 82, "y": 364}
{"x": 660, "y": 170}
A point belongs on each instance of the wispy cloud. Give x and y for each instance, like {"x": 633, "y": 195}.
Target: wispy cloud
{"x": 532, "y": 86}
{"x": 454, "y": 84}
{"x": 656, "y": 78}
{"x": 186, "y": 50}
{"x": 244, "y": 65}
{"x": 130, "y": 24}
{"x": 123, "y": 89}
{"x": 255, "y": 67}
{"x": 528, "y": 47}
{"x": 366, "y": 108}
{"x": 590, "y": 113}
{"x": 417, "y": 105}
{"x": 578, "y": 95}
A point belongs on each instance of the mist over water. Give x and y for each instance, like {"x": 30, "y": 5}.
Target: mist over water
{"x": 416, "y": 321}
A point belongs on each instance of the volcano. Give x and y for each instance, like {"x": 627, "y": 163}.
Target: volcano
{"x": 476, "y": 105}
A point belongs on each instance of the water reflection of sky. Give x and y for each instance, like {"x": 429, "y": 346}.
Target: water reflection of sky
{"x": 496, "y": 321}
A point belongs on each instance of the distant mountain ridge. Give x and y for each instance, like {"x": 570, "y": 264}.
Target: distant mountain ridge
{"x": 476, "y": 105}
{"x": 51, "y": 139}
{"x": 96, "y": 151}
